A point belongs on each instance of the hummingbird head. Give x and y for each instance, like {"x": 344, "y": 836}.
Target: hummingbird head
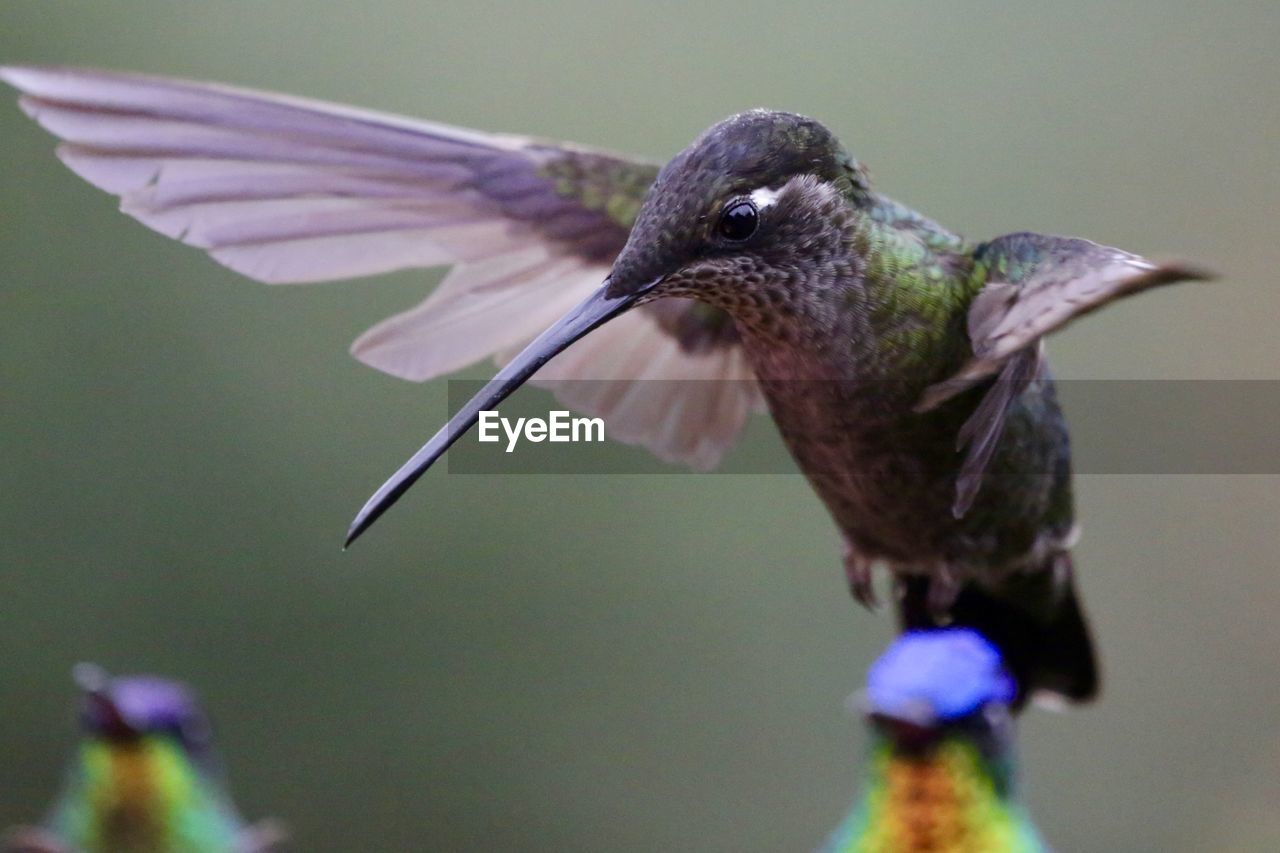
{"x": 735, "y": 216}
{"x": 733, "y": 220}
{"x": 124, "y": 709}
{"x": 942, "y": 683}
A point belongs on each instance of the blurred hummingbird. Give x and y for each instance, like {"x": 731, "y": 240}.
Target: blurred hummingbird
{"x": 144, "y": 778}
{"x": 902, "y": 362}
{"x": 939, "y": 773}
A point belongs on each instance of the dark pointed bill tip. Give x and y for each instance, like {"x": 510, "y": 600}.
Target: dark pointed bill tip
{"x": 596, "y": 310}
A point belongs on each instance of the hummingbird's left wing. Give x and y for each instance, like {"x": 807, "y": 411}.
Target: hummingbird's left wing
{"x": 290, "y": 190}
{"x": 1033, "y": 285}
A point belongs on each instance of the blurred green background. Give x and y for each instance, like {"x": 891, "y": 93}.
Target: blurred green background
{"x": 629, "y": 662}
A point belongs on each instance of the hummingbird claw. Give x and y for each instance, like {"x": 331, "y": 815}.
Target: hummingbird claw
{"x": 864, "y": 592}
{"x": 858, "y": 572}
{"x": 1063, "y": 573}
{"x": 944, "y": 587}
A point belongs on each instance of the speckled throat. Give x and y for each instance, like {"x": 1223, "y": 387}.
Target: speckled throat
{"x": 843, "y": 343}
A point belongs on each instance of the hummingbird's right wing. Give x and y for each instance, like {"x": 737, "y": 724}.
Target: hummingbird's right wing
{"x": 1033, "y": 285}
{"x": 290, "y": 190}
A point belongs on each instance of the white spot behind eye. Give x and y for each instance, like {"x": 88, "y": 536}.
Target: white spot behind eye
{"x": 764, "y": 197}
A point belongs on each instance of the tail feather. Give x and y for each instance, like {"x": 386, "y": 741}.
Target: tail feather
{"x": 1035, "y": 620}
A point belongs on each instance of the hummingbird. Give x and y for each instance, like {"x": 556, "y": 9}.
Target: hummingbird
{"x": 940, "y": 770}
{"x": 757, "y": 269}
{"x": 144, "y": 778}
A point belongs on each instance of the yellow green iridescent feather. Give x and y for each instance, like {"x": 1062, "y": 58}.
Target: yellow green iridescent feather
{"x": 144, "y": 796}
{"x": 600, "y": 182}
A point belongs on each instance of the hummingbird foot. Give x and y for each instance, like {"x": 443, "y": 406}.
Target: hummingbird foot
{"x": 858, "y": 572}
{"x": 944, "y": 587}
{"x": 1063, "y": 569}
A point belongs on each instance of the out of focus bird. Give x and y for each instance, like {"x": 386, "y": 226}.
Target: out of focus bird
{"x": 902, "y": 362}
{"x": 940, "y": 772}
{"x": 144, "y": 778}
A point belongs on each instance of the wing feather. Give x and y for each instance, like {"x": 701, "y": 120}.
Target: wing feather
{"x": 691, "y": 415}
{"x": 1033, "y": 285}
{"x": 288, "y": 190}
{"x": 1036, "y": 284}
{"x": 477, "y": 311}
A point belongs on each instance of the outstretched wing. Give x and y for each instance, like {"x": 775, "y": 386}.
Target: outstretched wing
{"x": 1033, "y": 285}
{"x": 289, "y": 190}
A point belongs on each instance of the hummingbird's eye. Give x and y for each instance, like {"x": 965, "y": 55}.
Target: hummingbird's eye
{"x": 739, "y": 220}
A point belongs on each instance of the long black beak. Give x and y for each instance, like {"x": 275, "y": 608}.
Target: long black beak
{"x": 595, "y": 310}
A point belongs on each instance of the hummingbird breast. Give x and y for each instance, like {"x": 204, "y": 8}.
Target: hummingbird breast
{"x": 888, "y": 474}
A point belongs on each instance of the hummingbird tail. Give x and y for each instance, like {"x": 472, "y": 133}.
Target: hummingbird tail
{"x": 1036, "y": 621}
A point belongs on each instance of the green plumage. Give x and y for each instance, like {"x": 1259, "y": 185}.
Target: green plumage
{"x": 143, "y": 796}
{"x": 600, "y": 182}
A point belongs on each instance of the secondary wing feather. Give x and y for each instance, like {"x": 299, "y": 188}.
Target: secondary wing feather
{"x": 1033, "y": 285}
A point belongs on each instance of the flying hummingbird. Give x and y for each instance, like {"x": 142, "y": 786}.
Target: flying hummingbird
{"x": 939, "y": 772}
{"x": 902, "y": 362}
{"x": 144, "y": 778}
